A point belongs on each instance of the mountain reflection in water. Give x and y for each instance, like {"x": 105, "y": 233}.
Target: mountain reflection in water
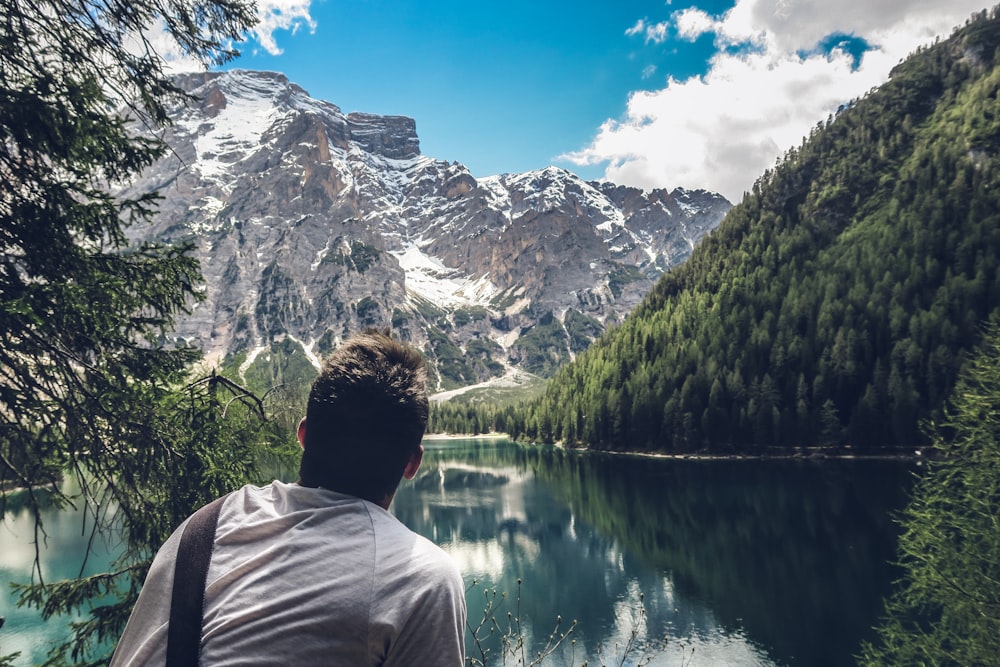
{"x": 748, "y": 562}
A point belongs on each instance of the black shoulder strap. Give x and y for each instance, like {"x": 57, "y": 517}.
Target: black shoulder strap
{"x": 188, "y": 597}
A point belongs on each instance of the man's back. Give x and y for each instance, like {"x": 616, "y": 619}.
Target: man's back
{"x": 311, "y": 576}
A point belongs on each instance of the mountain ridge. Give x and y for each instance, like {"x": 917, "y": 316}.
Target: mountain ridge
{"x": 311, "y": 224}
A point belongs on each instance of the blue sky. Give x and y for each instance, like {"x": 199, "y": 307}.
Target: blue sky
{"x": 703, "y": 94}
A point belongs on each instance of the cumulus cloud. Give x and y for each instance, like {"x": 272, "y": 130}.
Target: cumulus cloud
{"x": 272, "y": 17}
{"x": 278, "y": 15}
{"x": 760, "y": 95}
{"x": 692, "y": 23}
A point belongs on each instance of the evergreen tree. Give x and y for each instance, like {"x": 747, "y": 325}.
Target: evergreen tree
{"x": 833, "y": 305}
{"x": 947, "y": 610}
{"x": 86, "y": 383}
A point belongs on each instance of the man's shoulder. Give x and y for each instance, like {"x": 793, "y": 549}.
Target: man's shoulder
{"x": 403, "y": 543}
{"x": 433, "y": 552}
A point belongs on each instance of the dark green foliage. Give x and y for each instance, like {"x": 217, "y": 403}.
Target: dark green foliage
{"x": 279, "y": 306}
{"x": 242, "y": 322}
{"x": 363, "y": 255}
{"x": 471, "y": 417}
{"x": 464, "y": 316}
{"x": 400, "y": 318}
{"x": 359, "y": 256}
{"x": 87, "y": 385}
{"x": 325, "y": 343}
{"x": 368, "y": 310}
{"x": 947, "y": 609}
{"x": 621, "y": 276}
{"x": 283, "y": 375}
{"x": 487, "y": 409}
{"x": 505, "y": 300}
{"x": 833, "y": 304}
{"x": 205, "y": 439}
{"x": 452, "y": 367}
{"x": 480, "y": 354}
{"x": 466, "y": 418}
{"x": 582, "y": 330}
{"x": 428, "y": 310}
{"x": 544, "y": 347}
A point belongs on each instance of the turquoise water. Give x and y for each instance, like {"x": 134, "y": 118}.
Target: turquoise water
{"x": 61, "y": 541}
{"x": 743, "y": 563}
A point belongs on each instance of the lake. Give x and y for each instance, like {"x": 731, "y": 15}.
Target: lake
{"x": 747, "y": 562}
{"x": 742, "y": 562}
{"x": 65, "y": 539}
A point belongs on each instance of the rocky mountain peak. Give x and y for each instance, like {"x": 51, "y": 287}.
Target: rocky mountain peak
{"x": 311, "y": 224}
{"x": 394, "y": 137}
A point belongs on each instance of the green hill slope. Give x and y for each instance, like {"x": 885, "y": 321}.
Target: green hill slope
{"x": 836, "y": 301}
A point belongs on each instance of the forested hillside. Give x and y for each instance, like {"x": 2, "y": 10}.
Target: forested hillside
{"x": 835, "y": 304}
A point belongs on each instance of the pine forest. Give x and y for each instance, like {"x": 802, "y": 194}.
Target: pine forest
{"x": 835, "y": 305}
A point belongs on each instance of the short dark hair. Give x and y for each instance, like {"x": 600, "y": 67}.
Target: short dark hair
{"x": 366, "y": 416}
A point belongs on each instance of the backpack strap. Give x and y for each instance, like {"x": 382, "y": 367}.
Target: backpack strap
{"x": 190, "y": 574}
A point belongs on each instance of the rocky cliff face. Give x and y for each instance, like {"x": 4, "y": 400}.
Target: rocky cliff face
{"x": 311, "y": 224}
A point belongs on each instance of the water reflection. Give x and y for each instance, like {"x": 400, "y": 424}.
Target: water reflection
{"x": 748, "y": 562}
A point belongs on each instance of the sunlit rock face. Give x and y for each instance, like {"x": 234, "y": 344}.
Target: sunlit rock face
{"x": 311, "y": 224}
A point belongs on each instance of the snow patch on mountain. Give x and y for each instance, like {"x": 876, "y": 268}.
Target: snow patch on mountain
{"x": 232, "y": 135}
{"x": 429, "y": 278}
{"x": 311, "y": 224}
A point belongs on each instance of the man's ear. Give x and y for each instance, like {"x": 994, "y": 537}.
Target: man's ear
{"x": 301, "y": 433}
{"x": 414, "y": 463}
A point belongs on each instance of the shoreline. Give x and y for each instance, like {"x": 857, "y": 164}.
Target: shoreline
{"x": 798, "y": 456}
{"x": 819, "y": 453}
{"x": 460, "y": 436}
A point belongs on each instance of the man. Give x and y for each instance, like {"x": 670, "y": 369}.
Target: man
{"x": 319, "y": 572}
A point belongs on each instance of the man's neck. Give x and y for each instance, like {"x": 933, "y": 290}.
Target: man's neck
{"x": 383, "y": 503}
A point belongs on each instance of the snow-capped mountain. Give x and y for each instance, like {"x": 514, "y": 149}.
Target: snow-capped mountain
{"x": 311, "y": 224}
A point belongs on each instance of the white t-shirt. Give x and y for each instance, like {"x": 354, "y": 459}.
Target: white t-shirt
{"x": 309, "y": 576}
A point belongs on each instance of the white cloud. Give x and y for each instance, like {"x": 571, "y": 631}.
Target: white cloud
{"x": 273, "y": 15}
{"x": 722, "y": 130}
{"x": 637, "y": 29}
{"x": 801, "y": 23}
{"x": 653, "y": 32}
{"x": 277, "y": 15}
{"x": 692, "y": 23}
{"x": 656, "y": 33}
{"x": 167, "y": 48}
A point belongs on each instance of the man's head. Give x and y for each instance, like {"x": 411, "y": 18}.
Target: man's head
{"x": 366, "y": 416}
